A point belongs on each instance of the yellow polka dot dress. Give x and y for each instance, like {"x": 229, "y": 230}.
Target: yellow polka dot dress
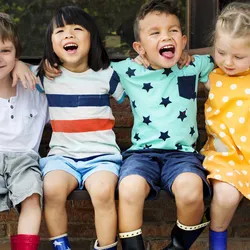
{"x": 227, "y": 114}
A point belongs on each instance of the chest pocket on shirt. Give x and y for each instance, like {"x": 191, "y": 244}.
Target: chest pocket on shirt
{"x": 29, "y": 121}
{"x": 186, "y": 87}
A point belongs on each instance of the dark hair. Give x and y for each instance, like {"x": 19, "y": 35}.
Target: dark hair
{"x": 97, "y": 57}
{"x": 162, "y": 6}
{"x": 8, "y": 31}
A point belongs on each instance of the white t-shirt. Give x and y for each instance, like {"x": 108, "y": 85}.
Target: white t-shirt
{"x": 22, "y": 120}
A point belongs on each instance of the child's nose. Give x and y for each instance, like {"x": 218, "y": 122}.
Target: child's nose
{"x": 228, "y": 60}
{"x": 68, "y": 35}
{"x": 166, "y": 36}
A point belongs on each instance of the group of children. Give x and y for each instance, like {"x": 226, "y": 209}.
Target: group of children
{"x": 76, "y": 75}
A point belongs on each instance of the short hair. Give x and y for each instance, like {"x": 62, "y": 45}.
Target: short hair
{"x": 97, "y": 56}
{"x": 235, "y": 20}
{"x": 8, "y": 32}
{"x": 162, "y": 6}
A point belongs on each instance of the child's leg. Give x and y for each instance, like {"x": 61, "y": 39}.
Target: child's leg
{"x": 133, "y": 190}
{"x": 57, "y": 186}
{"x": 101, "y": 187}
{"x": 30, "y": 215}
{"x": 225, "y": 200}
{"x": 139, "y": 176}
{"x": 184, "y": 177}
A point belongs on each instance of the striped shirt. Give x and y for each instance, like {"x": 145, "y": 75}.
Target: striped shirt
{"x": 80, "y": 112}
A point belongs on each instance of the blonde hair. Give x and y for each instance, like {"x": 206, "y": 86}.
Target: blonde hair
{"x": 234, "y": 19}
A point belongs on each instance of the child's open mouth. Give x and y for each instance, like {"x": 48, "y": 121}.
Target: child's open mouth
{"x": 71, "y": 47}
{"x": 167, "y": 51}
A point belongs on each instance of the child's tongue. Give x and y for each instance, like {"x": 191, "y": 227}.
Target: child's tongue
{"x": 168, "y": 54}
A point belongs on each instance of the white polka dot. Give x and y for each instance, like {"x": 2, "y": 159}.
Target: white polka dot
{"x": 210, "y": 158}
{"x": 231, "y": 130}
{"x": 217, "y": 112}
{"x": 241, "y": 157}
{"x": 239, "y": 147}
{"x": 247, "y": 91}
{"x": 229, "y": 114}
{"x": 233, "y": 87}
{"x": 225, "y": 153}
{"x": 231, "y": 163}
{"x": 211, "y": 96}
{"x": 229, "y": 173}
{"x": 248, "y": 196}
{"x": 202, "y": 150}
{"x": 243, "y": 138}
{"x": 218, "y": 84}
{"x": 244, "y": 172}
{"x": 239, "y": 103}
{"x": 222, "y": 126}
{"x": 240, "y": 183}
{"x": 241, "y": 120}
{"x": 217, "y": 170}
{"x": 209, "y": 109}
{"x": 225, "y": 99}
{"x": 214, "y": 70}
{"x": 236, "y": 171}
{"x": 218, "y": 177}
{"x": 247, "y": 184}
{"x": 222, "y": 134}
{"x": 209, "y": 122}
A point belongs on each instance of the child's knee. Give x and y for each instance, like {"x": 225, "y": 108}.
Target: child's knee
{"x": 32, "y": 201}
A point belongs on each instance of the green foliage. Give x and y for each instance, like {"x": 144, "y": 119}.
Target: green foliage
{"x": 113, "y": 17}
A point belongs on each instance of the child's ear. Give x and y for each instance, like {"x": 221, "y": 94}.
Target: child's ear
{"x": 184, "y": 41}
{"x": 138, "y": 48}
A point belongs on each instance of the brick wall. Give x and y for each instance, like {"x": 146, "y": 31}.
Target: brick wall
{"x": 159, "y": 215}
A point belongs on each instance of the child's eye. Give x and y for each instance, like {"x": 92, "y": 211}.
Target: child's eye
{"x": 239, "y": 57}
{"x": 155, "y": 33}
{"x": 58, "y": 31}
{"x": 221, "y": 53}
{"x": 174, "y": 30}
{"x": 5, "y": 51}
{"x": 78, "y": 28}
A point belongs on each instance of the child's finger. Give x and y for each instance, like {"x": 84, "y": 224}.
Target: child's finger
{"x": 14, "y": 80}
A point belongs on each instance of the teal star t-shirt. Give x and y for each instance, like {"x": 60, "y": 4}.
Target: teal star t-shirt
{"x": 164, "y": 103}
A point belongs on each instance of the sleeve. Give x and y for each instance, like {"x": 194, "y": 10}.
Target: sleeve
{"x": 205, "y": 64}
{"x": 39, "y": 85}
{"x": 115, "y": 88}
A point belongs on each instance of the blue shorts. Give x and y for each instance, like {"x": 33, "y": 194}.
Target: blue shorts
{"x": 81, "y": 169}
{"x": 160, "y": 168}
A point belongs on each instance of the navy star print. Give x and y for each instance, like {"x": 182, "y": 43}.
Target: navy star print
{"x": 178, "y": 146}
{"x": 182, "y": 115}
{"x": 167, "y": 72}
{"x": 133, "y": 104}
{"x": 147, "y": 146}
{"x": 164, "y": 136}
{"x": 192, "y": 63}
{"x": 146, "y": 119}
{"x": 192, "y": 131}
{"x": 211, "y": 59}
{"x": 130, "y": 72}
{"x": 147, "y": 86}
{"x": 165, "y": 102}
{"x": 137, "y": 136}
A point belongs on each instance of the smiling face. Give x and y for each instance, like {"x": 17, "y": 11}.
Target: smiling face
{"x": 161, "y": 39}
{"x": 7, "y": 58}
{"x": 232, "y": 55}
{"x": 71, "y": 43}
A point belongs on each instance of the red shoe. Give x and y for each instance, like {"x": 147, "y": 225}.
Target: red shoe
{"x": 24, "y": 242}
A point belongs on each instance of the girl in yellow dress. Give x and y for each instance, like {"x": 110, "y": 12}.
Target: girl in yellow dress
{"x": 227, "y": 112}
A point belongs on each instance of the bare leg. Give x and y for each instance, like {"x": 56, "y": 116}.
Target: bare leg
{"x": 133, "y": 191}
{"x": 101, "y": 187}
{"x": 225, "y": 200}
{"x": 30, "y": 216}
{"x": 188, "y": 191}
{"x": 57, "y": 186}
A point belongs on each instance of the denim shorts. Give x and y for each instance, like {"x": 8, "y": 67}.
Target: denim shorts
{"x": 83, "y": 168}
{"x": 160, "y": 168}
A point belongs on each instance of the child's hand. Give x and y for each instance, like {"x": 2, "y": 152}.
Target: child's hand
{"x": 23, "y": 73}
{"x": 142, "y": 61}
{"x": 51, "y": 72}
{"x": 185, "y": 60}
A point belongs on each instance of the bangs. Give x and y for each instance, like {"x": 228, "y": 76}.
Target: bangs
{"x": 69, "y": 16}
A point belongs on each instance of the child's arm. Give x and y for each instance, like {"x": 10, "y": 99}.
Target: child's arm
{"x": 23, "y": 73}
